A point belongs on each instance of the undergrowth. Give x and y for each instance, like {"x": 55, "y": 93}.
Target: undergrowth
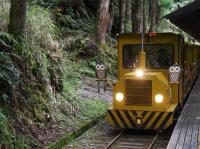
{"x": 39, "y": 77}
{"x": 44, "y": 33}
{"x": 7, "y": 139}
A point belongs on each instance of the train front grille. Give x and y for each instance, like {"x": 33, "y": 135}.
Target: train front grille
{"x": 138, "y": 92}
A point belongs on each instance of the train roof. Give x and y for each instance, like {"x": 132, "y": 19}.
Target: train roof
{"x": 167, "y": 34}
{"x": 146, "y": 34}
{"x": 153, "y": 34}
{"x": 192, "y": 44}
{"x": 187, "y": 18}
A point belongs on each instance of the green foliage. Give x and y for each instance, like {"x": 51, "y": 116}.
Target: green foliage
{"x": 107, "y": 56}
{"x": 166, "y": 4}
{"x": 36, "y": 82}
{"x": 9, "y": 76}
{"x": 77, "y": 44}
{"x": 36, "y": 77}
{"x": 41, "y": 30}
{"x": 7, "y": 138}
{"x": 76, "y": 23}
{"x": 45, "y": 75}
{"x": 77, "y": 32}
{"x": 93, "y": 108}
{"x": 71, "y": 77}
{"x": 44, "y": 3}
{"x": 7, "y": 40}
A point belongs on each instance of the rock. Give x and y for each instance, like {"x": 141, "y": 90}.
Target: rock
{"x": 91, "y": 48}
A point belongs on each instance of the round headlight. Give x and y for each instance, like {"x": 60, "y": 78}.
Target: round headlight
{"x": 119, "y": 97}
{"x": 159, "y": 98}
{"x": 139, "y": 73}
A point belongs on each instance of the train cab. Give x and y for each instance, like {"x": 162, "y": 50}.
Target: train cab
{"x": 145, "y": 96}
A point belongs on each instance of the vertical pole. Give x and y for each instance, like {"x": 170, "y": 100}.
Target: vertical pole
{"x": 98, "y": 86}
{"x": 105, "y": 85}
{"x": 142, "y": 54}
{"x": 142, "y": 25}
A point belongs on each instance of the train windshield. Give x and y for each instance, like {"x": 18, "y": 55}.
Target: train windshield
{"x": 157, "y": 56}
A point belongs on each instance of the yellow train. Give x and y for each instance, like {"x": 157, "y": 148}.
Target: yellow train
{"x": 153, "y": 82}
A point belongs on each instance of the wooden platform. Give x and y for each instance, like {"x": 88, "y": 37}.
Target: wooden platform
{"x": 187, "y": 130}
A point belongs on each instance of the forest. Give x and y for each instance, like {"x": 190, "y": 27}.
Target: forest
{"x": 48, "y": 52}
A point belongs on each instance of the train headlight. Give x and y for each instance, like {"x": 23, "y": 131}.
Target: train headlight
{"x": 139, "y": 73}
{"x": 159, "y": 98}
{"x": 119, "y": 97}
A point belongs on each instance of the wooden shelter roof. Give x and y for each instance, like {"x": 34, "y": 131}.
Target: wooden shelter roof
{"x": 187, "y": 18}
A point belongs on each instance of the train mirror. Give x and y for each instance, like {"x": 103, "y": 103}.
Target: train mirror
{"x": 174, "y": 74}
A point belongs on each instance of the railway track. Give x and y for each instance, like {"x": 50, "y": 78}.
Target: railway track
{"x": 103, "y": 137}
{"x": 128, "y": 141}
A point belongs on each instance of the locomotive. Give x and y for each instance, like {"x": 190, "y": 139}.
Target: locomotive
{"x": 153, "y": 81}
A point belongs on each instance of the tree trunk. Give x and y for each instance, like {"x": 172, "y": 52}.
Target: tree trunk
{"x": 111, "y": 20}
{"x": 154, "y": 15}
{"x": 137, "y": 10}
{"x": 158, "y": 11}
{"x": 103, "y": 20}
{"x": 145, "y": 15}
{"x": 17, "y": 18}
{"x": 128, "y": 13}
{"x": 122, "y": 15}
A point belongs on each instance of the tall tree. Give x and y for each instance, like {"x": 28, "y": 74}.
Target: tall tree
{"x": 122, "y": 15}
{"x": 154, "y": 14}
{"x": 128, "y": 13}
{"x": 103, "y": 20}
{"x": 137, "y": 16}
{"x": 146, "y": 15}
{"x": 17, "y": 18}
{"x": 111, "y": 20}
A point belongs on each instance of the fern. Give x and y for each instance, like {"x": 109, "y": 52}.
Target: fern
{"x": 6, "y": 40}
{"x": 7, "y": 138}
{"x": 9, "y": 75}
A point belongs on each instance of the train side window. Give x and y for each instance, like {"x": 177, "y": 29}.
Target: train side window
{"x": 158, "y": 56}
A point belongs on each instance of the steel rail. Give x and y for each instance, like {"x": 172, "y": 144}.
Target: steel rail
{"x": 114, "y": 140}
{"x": 122, "y": 132}
{"x": 153, "y": 141}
